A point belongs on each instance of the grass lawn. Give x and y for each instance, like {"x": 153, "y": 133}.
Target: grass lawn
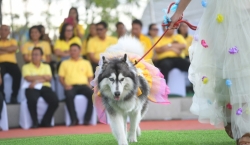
{"x": 207, "y": 137}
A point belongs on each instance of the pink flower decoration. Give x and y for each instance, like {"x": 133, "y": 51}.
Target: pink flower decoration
{"x": 204, "y": 44}
{"x": 233, "y": 50}
{"x": 229, "y": 106}
{"x": 239, "y": 111}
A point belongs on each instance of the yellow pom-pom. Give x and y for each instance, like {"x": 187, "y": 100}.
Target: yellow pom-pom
{"x": 220, "y": 18}
{"x": 204, "y": 80}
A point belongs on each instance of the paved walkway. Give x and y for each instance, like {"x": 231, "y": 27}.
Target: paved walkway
{"x": 102, "y": 128}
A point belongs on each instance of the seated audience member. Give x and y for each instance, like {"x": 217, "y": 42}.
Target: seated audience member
{"x": 37, "y": 72}
{"x": 35, "y": 36}
{"x": 1, "y": 97}
{"x": 8, "y": 62}
{"x": 45, "y": 37}
{"x": 75, "y": 75}
{"x": 120, "y": 29}
{"x": 99, "y": 44}
{"x": 183, "y": 30}
{"x": 92, "y": 33}
{"x": 62, "y": 45}
{"x": 153, "y": 35}
{"x": 136, "y": 32}
{"x": 169, "y": 53}
{"x": 73, "y": 19}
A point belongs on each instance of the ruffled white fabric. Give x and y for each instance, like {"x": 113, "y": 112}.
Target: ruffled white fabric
{"x": 212, "y": 100}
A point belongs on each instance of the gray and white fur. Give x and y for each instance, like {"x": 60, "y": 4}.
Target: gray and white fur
{"x": 118, "y": 84}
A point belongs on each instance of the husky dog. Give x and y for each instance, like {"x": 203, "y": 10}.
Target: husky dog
{"x": 118, "y": 83}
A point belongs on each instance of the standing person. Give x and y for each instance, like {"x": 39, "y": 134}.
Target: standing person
{"x": 75, "y": 75}
{"x": 120, "y": 29}
{"x": 183, "y": 30}
{"x": 8, "y": 62}
{"x": 92, "y": 33}
{"x": 37, "y": 72}
{"x": 220, "y": 66}
{"x": 73, "y": 19}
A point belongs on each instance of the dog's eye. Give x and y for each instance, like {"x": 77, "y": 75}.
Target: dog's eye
{"x": 121, "y": 79}
{"x": 111, "y": 79}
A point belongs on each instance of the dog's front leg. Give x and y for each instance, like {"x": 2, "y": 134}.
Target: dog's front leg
{"x": 117, "y": 127}
{"x": 135, "y": 118}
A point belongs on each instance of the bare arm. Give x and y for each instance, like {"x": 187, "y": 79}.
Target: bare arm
{"x": 9, "y": 49}
{"x": 48, "y": 58}
{"x": 43, "y": 78}
{"x": 176, "y": 47}
{"x": 60, "y": 53}
{"x": 90, "y": 79}
{"x": 66, "y": 87}
{"x": 92, "y": 58}
{"x": 181, "y": 7}
{"x": 26, "y": 58}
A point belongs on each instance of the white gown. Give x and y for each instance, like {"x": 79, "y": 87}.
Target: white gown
{"x": 220, "y": 71}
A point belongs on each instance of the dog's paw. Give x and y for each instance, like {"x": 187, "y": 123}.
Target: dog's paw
{"x": 138, "y": 131}
{"x": 132, "y": 138}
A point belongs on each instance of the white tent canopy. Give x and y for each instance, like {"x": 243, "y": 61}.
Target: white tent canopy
{"x": 193, "y": 13}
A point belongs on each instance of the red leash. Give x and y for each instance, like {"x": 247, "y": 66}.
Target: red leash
{"x": 176, "y": 25}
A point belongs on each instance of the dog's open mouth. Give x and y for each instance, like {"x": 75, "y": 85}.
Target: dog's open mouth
{"x": 117, "y": 98}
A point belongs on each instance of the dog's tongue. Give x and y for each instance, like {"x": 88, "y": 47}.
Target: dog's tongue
{"x": 117, "y": 98}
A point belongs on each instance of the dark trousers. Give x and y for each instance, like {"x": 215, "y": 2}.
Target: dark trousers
{"x": 70, "y": 96}
{"x": 167, "y": 64}
{"x": 94, "y": 65}
{"x": 49, "y": 96}
{"x": 1, "y": 103}
{"x": 15, "y": 73}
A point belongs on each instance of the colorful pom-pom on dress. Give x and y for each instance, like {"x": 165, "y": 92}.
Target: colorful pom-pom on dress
{"x": 158, "y": 89}
{"x": 220, "y": 65}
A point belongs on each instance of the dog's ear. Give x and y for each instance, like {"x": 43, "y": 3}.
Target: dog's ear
{"x": 104, "y": 60}
{"x": 125, "y": 57}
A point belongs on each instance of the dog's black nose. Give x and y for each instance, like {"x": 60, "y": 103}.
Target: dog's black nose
{"x": 117, "y": 94}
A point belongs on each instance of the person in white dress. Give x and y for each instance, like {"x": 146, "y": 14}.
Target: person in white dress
{"x": 220, "y": 65}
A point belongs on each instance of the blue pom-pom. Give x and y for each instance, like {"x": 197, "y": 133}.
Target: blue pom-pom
{"x": 204, "y": 3}
{"x": 228, "y": 83}
{"x": 174, "y": 8}
{"x": 177, "y": 1}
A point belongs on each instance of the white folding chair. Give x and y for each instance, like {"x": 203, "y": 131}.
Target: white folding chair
{"x": 59, "y": 89}
{"x": 80, "y": 107}
{"x": 4, "y": 118}
{"x": 7, "y": 79}
{"x": 25, "y": 119}
{"x": 177, "y": 82}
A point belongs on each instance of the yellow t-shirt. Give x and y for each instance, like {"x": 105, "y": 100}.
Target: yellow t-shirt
{"x": 98, "y": 46}
{"x": 84, "y": 47}
{"x": 64, "y": 46}
{"x": 79, "y": 27}
{"x": 146, "y": 42}
{"x": 76, "y": 72}
{"x": 28, "y": 47}
{"x": 31, "y": 70}
{"x": 168, "y": 40}
{"x": 9, "y": 57}
{"x": 189, "y": 40}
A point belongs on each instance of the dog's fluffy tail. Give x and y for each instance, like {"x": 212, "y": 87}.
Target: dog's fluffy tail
{"x": 127, "y": 44}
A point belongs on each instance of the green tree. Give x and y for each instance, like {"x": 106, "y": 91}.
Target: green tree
{"x": 109, "y": 11}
